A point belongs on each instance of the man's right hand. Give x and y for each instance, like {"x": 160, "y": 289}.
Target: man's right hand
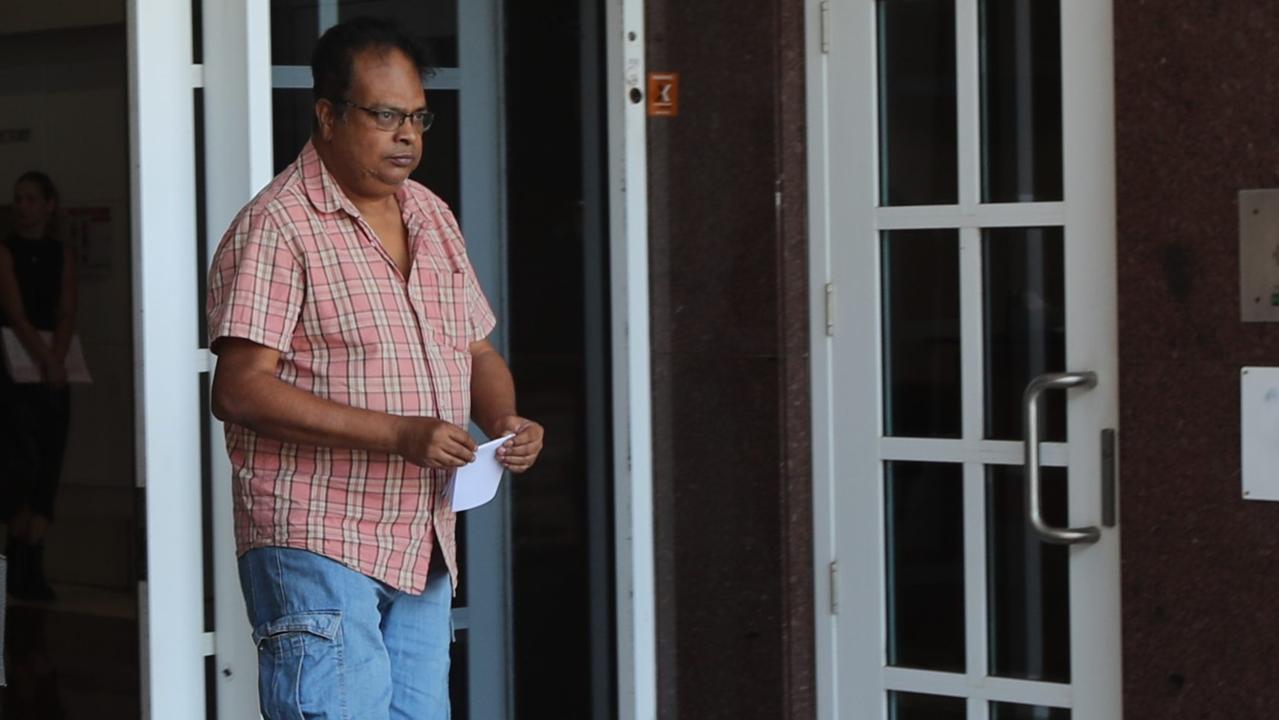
{"x": 433, "y": 443}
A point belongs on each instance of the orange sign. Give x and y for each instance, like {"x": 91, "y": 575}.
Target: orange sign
{"x": 663, "y": 94}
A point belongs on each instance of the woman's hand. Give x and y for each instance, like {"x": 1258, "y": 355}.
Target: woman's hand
{"x": 55, "y": 374}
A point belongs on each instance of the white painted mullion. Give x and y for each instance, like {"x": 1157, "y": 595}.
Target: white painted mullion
{"x": 975, "y": 572}
{"x": 632, "y": 378}
{"x": 967, "y": 101}
{"x": 825, "y": 542}
{"x": 162, "y": 132}
{"x": 1024, "y": 692}
{"x": 326, "y": 15}
{"x": 1088, "y": 148}
{"x": 483, "y": 219}
{"x": 987, "y": 452}
{"x": 982, "y": 216}
{"x": 972, "y": 346}
{"x": 298, "y": 77}
{"x": 238, "y": 162}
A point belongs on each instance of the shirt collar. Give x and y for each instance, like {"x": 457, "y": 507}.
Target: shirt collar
{"x": 321, "y": 188}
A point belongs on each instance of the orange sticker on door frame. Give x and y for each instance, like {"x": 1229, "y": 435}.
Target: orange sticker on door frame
{"x": 663, "y": 94}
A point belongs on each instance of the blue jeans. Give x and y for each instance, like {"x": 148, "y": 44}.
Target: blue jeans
{"x": 335, "y": 644}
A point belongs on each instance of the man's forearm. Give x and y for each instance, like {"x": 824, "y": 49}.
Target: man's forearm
{"x": 273, "y": 408}
{"x": 492, "y": 391}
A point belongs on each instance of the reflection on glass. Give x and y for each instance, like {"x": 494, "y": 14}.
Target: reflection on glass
{"x": 440, "y": 166}
{"x": 296, "y": 24}
{"x": 918, "y": 139}
{"x": 921, "y": 333}
{"x": 1025, "y": 326}
{"x": 1028, "y": 579}
{"x": 914, "y": 706}
{"x": 1021, "y": 100}
{"x": 925, "y": 546}
{"x": 1011, "y": 711}
{"x": 431, "y": 22}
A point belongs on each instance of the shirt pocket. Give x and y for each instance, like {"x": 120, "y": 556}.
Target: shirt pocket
{"x": 443, "y": 297}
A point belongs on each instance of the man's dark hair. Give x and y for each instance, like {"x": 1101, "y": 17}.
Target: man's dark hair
{"x": 334, "y": 56}
{"x": 42, "y": 181}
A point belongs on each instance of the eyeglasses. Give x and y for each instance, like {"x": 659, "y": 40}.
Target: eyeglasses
{"x": 390, "y": 119}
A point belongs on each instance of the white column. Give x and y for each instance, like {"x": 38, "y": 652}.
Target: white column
{"x": 168, "y": 422}
{"x": 632, "y": 380}
{"x": 238, "y": 163}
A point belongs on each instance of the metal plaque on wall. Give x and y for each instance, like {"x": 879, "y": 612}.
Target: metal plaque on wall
{"x": 1259, "y": 255}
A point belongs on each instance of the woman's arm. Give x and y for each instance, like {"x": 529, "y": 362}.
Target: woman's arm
{"x": 11, "y": 304}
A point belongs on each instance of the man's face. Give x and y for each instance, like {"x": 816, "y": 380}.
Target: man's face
{"x": 366, "y": 160}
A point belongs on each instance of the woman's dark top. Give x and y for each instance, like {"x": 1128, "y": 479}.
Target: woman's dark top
{"x": 38, "y": 266}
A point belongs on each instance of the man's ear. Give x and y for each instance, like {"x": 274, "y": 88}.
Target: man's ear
{"x": 325, "y": 117}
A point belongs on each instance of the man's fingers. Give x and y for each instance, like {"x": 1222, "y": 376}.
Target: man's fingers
{"x": 461, "y": 437}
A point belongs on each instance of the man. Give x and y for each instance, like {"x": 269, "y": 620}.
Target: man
{"x": 350, "y": 333}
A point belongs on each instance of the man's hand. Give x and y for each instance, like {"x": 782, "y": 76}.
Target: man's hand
{"x": 435, "y": 444}
{"x": 520, "y": 452}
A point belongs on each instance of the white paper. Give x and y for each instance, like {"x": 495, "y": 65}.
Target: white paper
{"x": 476, "y": 482}
{"x": 23, "y": 369}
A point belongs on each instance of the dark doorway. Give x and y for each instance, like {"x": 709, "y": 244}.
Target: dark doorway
{"x": 558, "y": 271}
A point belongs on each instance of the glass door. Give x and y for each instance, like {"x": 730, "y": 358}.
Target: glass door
{"x": 965, "y": 360}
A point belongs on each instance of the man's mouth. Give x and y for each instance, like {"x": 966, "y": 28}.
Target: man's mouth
{"x": 402, "y": 160}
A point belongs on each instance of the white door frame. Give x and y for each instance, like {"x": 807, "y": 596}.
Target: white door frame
{"x": 635, "y": 589}
{"x": 844, "y": 302}
{"x": 236, "y": 78}
{"x": 168, "y": 358}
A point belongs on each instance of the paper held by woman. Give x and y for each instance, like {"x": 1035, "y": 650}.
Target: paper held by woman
{"x": 24, "y": 369}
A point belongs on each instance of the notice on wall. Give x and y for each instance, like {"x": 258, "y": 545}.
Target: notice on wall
{"x": 89, "y": 230}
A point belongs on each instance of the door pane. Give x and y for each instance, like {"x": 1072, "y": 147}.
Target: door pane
{"x": 1029, "y": 580}
{"x": 921, "y": 333}
{"x": 431, "y": 22}
{"x": 1010, "y": 711}
{"x": 1021, "y": 100}
{"x": 1025, "y": 326}
{"x": 914, "y": 706}
{"x": 918, "y": 141}
{"x": 925, "y": 546}
{"x": 295, "y": 25}
{"x": 440, "y": 166}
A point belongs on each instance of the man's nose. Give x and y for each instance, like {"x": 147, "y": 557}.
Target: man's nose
{"x": 407, "y": 133}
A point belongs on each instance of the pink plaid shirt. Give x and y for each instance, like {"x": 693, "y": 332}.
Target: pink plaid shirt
{"x": 301, "y": 272}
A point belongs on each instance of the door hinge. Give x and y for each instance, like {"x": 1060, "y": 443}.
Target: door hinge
{"x": 830, "y": 309}
{"x": 825, "y": 22}
{"x": 834, "y": 587}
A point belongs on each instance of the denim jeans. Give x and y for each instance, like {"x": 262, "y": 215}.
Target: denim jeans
{"x": 334, "y": 643}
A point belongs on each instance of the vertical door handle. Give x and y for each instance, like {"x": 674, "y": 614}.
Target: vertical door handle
{"x": 1030, "y": 422}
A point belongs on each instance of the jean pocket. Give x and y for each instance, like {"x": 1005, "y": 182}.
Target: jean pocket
{"x": 300, "y": 666}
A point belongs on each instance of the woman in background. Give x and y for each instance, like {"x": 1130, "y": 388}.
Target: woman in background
{"x": 38, "y": 303}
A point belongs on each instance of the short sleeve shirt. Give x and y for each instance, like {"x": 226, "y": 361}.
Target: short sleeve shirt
{"x": 301, "y": 271}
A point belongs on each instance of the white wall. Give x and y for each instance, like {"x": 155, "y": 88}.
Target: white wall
{"x": 69, "y": 88}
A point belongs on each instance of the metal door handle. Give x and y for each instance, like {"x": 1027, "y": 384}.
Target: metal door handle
{"x": 1030, "y": 421}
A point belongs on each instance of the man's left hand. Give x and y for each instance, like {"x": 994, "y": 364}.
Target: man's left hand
{"x": 520, "y": 452}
